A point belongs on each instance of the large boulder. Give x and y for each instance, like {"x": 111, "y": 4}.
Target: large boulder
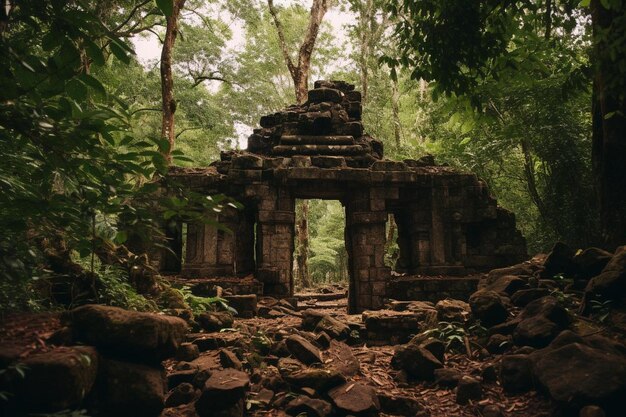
{"x": 576, "y": 375}
{"x": 488, "y": 307}
{"x": 130, "y": 389}
{"x": 318, "y": 379}
{"x": 223, "y": 394}
{"x": 127, "y": 334}
{"x": 355, "y": 399}
{"x": 560, "y": 260}
{"x": 52, "y": 381}
{"x": 507, "y": 285}
{"x": 540, "y": 322}
{"x": 611, "y": 283}
{"x": 591, "y": 262}
{"x": 418, "y": 362}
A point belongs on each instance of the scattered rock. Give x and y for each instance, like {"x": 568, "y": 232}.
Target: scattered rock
{"x": 54, "y": 380}
{"x": 323, "y": 340}
{"x": 396, "y": 327}
{"x": 182, "y": 394}
{"x": 559, "y": 261}
{"x": 223, "y": 394}
{"x": 128, "y": 389}
{"x": 576, "y": 375}
{"x": 537, "y": 332}
{"x": 540, "y": 322}
{"x": 127, "y": 334}
{"x": 187, "y": 352}
{"x": 590, "y": 262}
{"x": 611, "y": 283}
{"x": 492, "y": 410}
{"x": 214, "y": 321}
{"x": 522, "y": 297}
{"x": 311, "y": 407}
{"x": 447, "y": 377}
{"x": 507, "y": 285}
{"x": 516, "y": 373}
{"x": 318, "y": 379}
{"x": 417, "y": 361}
{"x": 342, "y": 359}
{"x": 488, "y": 307}
{"x": 453, "y": 310}
{"x": 436, "y": 347}
{"x": 245, "y": 305}
{"x": 303, "y": 350}
{"x": 489, "y": 374}
{"x": 310, "y": 319}
{"x": 333, "y": 327}
{"x": 468, "y": 389}
{"x": 355, "y": 399}
{"x": 229, "y": 360}
{"x": 400, "y": 405}
{"x": 499, "y": 343}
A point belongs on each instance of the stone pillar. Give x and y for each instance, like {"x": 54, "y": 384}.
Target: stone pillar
{"x": 211, "y": 249}
{"x": 365, "y": 242}
{"x": 275, "y": 245}
{"x": 171, "y": 259}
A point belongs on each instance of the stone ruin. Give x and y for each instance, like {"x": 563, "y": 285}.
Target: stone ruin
{"x": 448, "y": 224}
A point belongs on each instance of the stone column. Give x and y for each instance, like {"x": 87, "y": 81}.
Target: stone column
{"x": 275, "y": 246}
{"x": 365, "y": 227}
{"x": 211, "y": 249}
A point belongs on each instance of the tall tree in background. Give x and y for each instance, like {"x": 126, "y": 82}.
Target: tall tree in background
{"x": 300, "y": 75}
{"x": 609, "y": 117}
{"x": 171, "y": 9}
{"x": 463, "y": 45}
{"x": 300, "y": 71}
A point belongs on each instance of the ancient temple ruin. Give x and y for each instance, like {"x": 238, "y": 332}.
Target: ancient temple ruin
{"x": 447, "y": 221}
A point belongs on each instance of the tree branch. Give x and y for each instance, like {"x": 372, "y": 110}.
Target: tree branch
{"x": 281, "y": 38}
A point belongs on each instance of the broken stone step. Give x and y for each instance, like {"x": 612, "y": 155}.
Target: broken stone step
{"x": 318, "y": 150}
{"x": 316, "y": 140}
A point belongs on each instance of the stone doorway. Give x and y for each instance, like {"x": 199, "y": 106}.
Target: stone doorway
{"x": 327, "y": 260}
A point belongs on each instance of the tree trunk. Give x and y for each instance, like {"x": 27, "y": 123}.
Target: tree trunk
{"x": 167, "y": 82}
{"x": 302, "y": 237}
{"x": 300, "y": 72}
{"x": 609, "y": 125}
{"x": 395, "y": 108}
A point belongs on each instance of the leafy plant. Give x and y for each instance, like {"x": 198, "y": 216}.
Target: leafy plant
{"x": 199, "y": 304}
{"x": 451, "y": 333}
{"x": 600, "y": 310}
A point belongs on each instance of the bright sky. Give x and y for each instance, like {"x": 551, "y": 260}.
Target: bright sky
{"x": 148, "y": 48}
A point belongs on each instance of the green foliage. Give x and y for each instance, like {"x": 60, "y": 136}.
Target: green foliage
{"x": 453, "y": 334}
{"x": 199, "y": 304}
{"x": 327, "y": 253}
{"x": 116, "y": 291}
{"x": 600, "y": 310}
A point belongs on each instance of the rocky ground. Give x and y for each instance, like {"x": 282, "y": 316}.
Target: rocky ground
{"x": 525, "y": 344}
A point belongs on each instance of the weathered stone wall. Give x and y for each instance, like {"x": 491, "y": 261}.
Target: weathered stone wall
{"x": 447, "y": 221}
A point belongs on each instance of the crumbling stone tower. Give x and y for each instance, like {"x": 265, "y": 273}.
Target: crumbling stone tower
{"x": 447, "y": 221}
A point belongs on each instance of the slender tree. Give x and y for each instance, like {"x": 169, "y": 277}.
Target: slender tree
{"x": 167, "y": 81}
{"x": 609, "y": 118}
